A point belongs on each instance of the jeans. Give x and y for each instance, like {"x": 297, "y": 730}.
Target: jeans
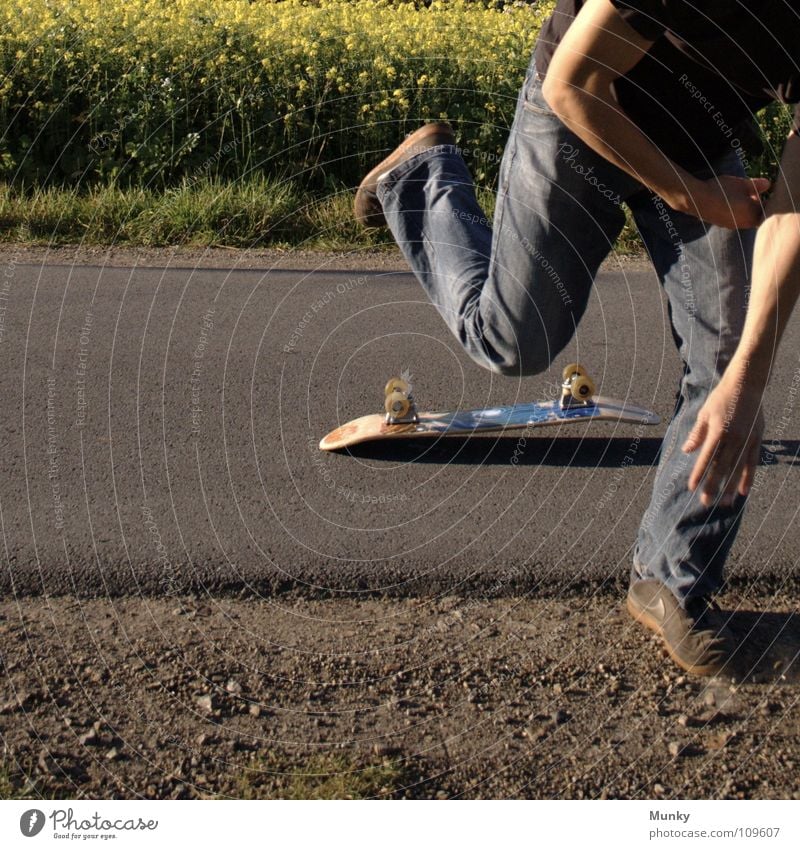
{"x": 513, "y": 292}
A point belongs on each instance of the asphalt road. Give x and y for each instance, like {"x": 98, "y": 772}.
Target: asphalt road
{"x": 160, "y": 430}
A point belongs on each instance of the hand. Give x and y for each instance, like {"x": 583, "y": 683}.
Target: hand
{"x": 728, "y": 201}
{"x": 728, "y": 432}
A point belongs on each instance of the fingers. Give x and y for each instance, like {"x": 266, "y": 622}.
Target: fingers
{"x": 761, "y": 185}
{"x": 705, "y": 468}
{"x": 698, "y": 434}
{"x": 727, "y": 436}
{"x": 739, "y": 465}
{"x": 725, "y": 466}
{"x": 696, "y": 438}
{"x": 749, "y": 470}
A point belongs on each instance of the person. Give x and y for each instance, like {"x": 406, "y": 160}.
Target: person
{"x": 647, "y": 104}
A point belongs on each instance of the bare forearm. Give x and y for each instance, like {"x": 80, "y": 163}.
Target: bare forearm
{"x": 591, "y": 112}
{"x": 598, "y": 49}
{"x": 776, "y": 271}
{"x": 774, "y": 293}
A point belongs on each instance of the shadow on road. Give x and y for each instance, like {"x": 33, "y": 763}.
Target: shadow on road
{"x": 522, "y": 450}
{"x": 536, "y": 450}
{"x": 769, "y": 646}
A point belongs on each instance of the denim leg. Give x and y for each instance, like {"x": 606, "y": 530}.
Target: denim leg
{"x": 511, "y": 293}
{"x": 705, "y": 272}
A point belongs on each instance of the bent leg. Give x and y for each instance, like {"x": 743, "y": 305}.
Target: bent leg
{"x": 705, "y": 272}
{"x": 511, "y": 293}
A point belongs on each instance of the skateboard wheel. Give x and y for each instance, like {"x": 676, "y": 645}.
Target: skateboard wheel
{"x": 397, "y": 405}
{"x": 396, "y": 384}
{"x": 572, "y": 370}
{"x": 582, "y": 388}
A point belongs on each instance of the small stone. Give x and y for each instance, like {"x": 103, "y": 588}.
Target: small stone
{"x": 47, "y": 763}
{"x": 90, "y": 738}
{"x": 683, "y": 720}
{"x": 658, "y": 789}
{"x": 20, "y": 702}
{"x": 674, "y": 749}
{"x": 255, "y": 710}
{"x": 234, "y": 687}
{"x": 680, "y": 680}
{"x": 206, "y": 703}
{"x": 113, "y": 754}
{"x": 719, "y": 741}
{"x": 709, "y": 698}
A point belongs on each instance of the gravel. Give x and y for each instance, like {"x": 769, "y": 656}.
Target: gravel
{"x": 509, "y": 698}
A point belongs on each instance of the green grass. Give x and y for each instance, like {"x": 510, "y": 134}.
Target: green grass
{"x": 6, "y": 787}
{"x": 324, "y": 776}
{"x": 253, "y": 213}
{"x": 16, "y": 782}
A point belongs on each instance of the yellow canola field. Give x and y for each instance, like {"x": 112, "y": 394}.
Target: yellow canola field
{"x": 157, "y": 90}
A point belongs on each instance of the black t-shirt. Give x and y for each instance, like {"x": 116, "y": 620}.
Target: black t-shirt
{"x": 712, "y": 65}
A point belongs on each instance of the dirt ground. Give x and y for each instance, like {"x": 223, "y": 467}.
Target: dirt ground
{"x": 421, "y": 698}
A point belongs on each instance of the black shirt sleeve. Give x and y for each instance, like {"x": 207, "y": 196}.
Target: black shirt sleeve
{"x": 648, "y": 17}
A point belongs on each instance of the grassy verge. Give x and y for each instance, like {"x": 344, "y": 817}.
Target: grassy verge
{"x": 254, "y": 213}
{"x": 325, "y": 776}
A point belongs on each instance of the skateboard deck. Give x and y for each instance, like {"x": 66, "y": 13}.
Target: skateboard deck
{"x": 486, "y": 420}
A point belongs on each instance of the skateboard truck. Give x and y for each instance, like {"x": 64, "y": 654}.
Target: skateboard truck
{"x": 577, "y": 387}
{"x": 399, "y": 402}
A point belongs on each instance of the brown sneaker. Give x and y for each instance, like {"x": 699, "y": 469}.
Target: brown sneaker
{"x": 367, "y": 207}
{"x": 697, "y": 637}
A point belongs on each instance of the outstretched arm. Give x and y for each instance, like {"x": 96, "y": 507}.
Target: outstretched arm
{"x": 598, "y": 48}
{"x": 728, "y": 428}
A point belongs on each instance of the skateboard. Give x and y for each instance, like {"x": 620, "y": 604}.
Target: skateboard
{"x": 402, "y": 420}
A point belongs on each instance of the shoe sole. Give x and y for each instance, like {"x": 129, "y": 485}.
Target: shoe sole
{"x": 366, "y": 199}
{"x": 641, "y": 616}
